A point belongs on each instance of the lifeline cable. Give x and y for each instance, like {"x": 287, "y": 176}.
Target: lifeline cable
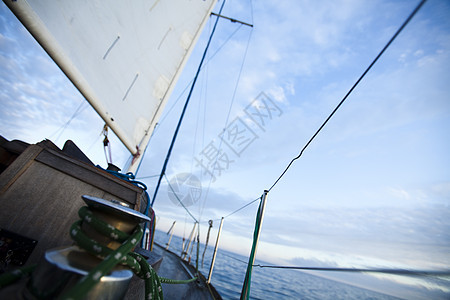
{"x": 351, "y": 89}
{"x": 251, "y": 202}
{"x": 406, "y": 272}
{"x": 237, "y": 210}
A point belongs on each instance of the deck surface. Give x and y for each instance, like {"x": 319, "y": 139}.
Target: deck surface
{"x": 171, "y": 267}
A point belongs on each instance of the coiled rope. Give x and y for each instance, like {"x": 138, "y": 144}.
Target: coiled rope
{"x": 122, "y": 255}
{"x": 111, "y": 257}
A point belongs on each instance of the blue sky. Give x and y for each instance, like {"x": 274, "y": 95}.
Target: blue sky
{"x": 372, "y": 190}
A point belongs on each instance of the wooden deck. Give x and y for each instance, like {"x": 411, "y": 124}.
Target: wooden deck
{"x": 173, "y": 267}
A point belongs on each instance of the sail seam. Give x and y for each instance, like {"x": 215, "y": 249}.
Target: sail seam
{"x": 131, "y": 85}
{"x": 110, "y": 47}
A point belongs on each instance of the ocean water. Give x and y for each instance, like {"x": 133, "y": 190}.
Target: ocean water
{"x": 229, "y": 272}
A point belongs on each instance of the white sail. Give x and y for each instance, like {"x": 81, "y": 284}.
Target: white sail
{"x": 123, "y": 56}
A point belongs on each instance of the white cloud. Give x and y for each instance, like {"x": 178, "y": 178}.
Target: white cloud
{"x": 400, "y": 193}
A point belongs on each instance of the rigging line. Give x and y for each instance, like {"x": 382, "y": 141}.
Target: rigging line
{"x": 93, "y": 144}
{"x": 202, "y": 96}
{"x": 237, "y": 210}
{"x": 232, "y": 20}
{"x": 206, "y": 63}
{"x": 196, "y": 126}
{"x": 248, "y": 42}
{"x": 201, "y": 120}
{"x": 130, "y": 159}
{"x": 169, "y": 152}
{"x": 145, "y": 177}
{"x": 239, "y": 77}
{"x": 74, "y": 115}
{"x": 406, "y": 272}
{"x": 228, "y": 116}
{"x": 239, "y": 260}
{"x": 251, "y": 10}
{"x": 205, "y": 106}
{"x": 351, "y": 89}
{"x": 176, "y": 196}
{"x": 251, "y": 202}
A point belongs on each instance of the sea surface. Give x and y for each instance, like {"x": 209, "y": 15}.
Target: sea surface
{"x": 229, "y": 272}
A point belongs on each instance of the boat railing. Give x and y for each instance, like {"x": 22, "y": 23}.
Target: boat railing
{"x": 208, "y": 280}
{"x": 186, "y": 246}
{"x": 171, "y": 230}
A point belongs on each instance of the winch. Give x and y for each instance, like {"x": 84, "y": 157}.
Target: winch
{"x": 105, "y": 227}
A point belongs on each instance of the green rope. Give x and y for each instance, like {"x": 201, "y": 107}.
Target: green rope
{"x": 152, "y": 281}
{"x": 111, "y": 258}
{"x": 97, "y": 249}
{"x": 100, "y": 226}
{"x": 80, "y": 290}
{"x": 173, "y": 281}
{"x": 122, "y": 255}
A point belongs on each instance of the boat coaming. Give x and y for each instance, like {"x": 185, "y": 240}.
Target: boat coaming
{"x": 40, "y": 194}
